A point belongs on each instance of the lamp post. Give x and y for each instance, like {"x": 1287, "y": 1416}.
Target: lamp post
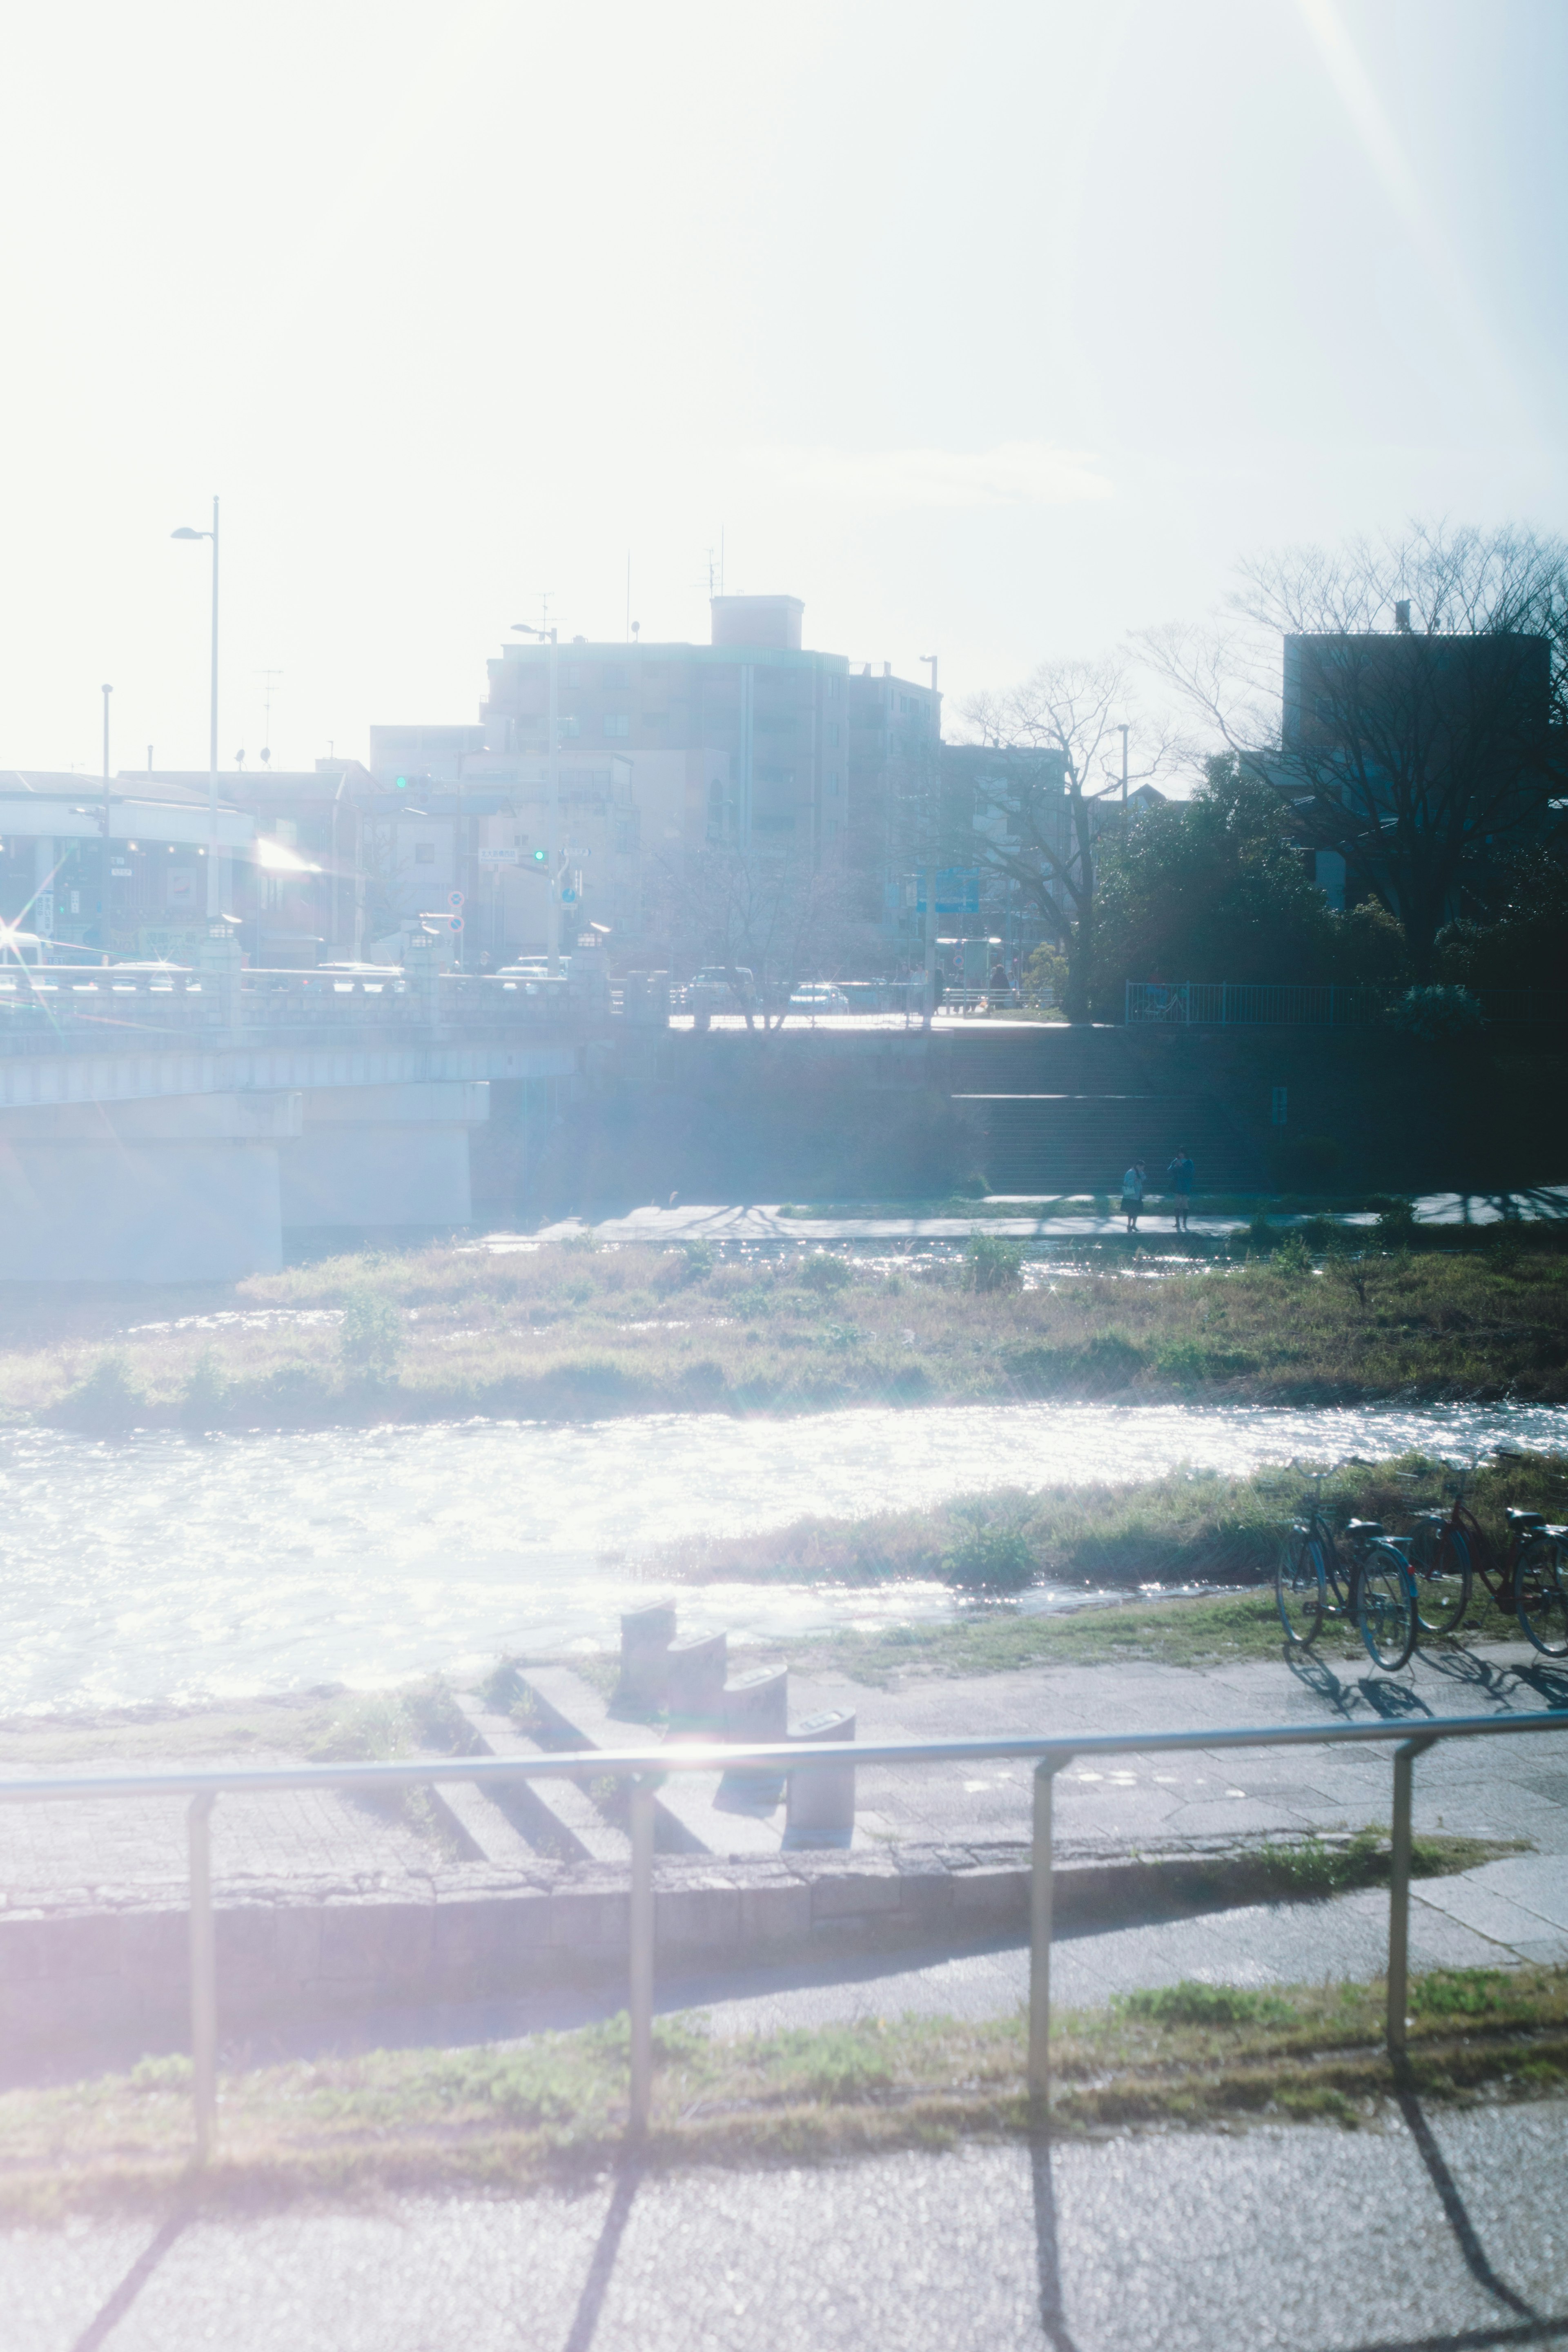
{"x": 103, "y": 915}
{"x": 214, "y": 895}
{"x": 552, "y": 803}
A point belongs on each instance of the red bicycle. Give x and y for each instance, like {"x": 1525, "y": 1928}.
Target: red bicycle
{"x": 1527, "y": 1579}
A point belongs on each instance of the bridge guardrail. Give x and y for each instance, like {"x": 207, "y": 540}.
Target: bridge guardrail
{"x": 645, "y": 1769}
{"x": 43, "y": 1010}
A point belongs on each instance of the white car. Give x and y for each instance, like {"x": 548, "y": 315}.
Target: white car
{"x": 534, "y": 967}
{"x": 712, "y": 987}
{"x": 818, "y": 996}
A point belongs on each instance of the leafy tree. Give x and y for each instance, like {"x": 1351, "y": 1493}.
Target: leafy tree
{"x": 1521, "y": 941}
{"x": 1210, "y": 889}
{"x": 1407, "y": 697}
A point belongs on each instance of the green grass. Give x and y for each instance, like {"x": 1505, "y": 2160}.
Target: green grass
{"x": 565, "y": 1333}
{"x": 1192, "y": 1528}
{"x": 554, "y": 2107}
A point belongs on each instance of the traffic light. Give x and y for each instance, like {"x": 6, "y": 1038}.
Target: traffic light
{"x": 403, "y": 784}
{"x": 541, "y": 857}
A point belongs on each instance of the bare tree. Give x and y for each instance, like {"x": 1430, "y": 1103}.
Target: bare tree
{"x": 1407, "y": 696}
{"x": 1035, "y": 817}
{"x": 777, "y": 918}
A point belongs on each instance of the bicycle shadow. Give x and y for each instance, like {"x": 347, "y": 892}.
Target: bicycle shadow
{"x": 1321, "y": 1679}
{"x": 1549, "y": 1681}
{"x": 1478, "y": 1674}
{"x": 1394, "y": 1702}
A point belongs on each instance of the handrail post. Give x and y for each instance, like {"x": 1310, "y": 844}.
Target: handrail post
{"x": 1040, "y": 1891}
{"x": 203, "y": 1979}
{"x": 1399, "y": 1894}
{"x": 640, "y": 2001}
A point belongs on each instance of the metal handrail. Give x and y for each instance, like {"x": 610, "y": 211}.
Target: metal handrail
{"x": 646, "y": 1768}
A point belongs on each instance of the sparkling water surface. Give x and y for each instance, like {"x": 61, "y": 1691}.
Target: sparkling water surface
{"x": 160, "y": 1567}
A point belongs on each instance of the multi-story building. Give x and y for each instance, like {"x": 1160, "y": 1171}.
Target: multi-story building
{"x": 117, "y": 867}
{"x": 752, "y": 743}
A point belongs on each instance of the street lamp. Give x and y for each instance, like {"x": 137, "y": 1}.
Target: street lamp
{"x": 552, "y": 803}
{"x": 214, "y": 905}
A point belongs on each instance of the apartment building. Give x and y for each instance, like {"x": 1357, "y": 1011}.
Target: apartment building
{"x": 753, "y": 742}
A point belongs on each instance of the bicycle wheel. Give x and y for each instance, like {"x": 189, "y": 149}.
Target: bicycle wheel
{"x": 1541, "y": 1588}
{"x": 1385, "y": 1606}
{"x": 1299, "y": 1587}
{"x": 1440, "y": 1563}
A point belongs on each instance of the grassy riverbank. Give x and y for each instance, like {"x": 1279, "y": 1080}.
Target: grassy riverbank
{"x": 554, "y": 2108}
{"x": 578, "y": 1333}
{"x": 1194, "y": 1526}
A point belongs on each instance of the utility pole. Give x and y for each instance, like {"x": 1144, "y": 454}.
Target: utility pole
{"x": 929, "y": 659}
{"x": 103, "y": 917}
{"x": 551, "y": 801}
{"x": 1123, "y": 732}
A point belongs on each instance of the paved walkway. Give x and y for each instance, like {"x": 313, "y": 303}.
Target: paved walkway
{"x": 758, "y": 1222}
{"x": 1444, "y": 2233}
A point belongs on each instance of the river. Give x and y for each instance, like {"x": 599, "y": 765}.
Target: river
{"x": 161, "y": 1568}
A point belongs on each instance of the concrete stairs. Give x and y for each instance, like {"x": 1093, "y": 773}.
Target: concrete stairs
{"x": 694, "y": 1813}
{"x": 557, "y": 1818}
{"x": 1066, "y": 1110}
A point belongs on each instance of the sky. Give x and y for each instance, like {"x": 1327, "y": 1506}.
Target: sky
{"x": 993, "y": 328}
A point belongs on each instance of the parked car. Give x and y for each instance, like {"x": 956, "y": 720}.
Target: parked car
{"x": 534, "y": 967}
{"x": 818, "y": 996}
{"x": 712, "y": 987}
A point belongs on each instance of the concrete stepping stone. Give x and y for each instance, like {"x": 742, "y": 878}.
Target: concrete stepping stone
{"x": 556, "y": 1817}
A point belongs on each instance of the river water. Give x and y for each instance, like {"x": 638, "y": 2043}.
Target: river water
{"x": 160, "y": 1567}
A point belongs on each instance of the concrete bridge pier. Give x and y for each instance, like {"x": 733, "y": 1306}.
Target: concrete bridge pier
{"x": 389, "y": 1156}
{"x": 177, "y": 1189}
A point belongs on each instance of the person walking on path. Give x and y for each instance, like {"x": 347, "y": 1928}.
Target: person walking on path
{"x": 1132, "y": 1194}
{"x": 1179, "y": 1184}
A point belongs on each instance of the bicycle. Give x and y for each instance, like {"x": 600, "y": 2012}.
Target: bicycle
{"x": 1371, "y": 1587}
{"x": 1528, "y": 1579}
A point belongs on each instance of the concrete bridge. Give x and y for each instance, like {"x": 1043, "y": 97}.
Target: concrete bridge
{"x": 163, "y": 1126}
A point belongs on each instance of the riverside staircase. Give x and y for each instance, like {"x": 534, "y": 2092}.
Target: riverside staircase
{"x": 1067, "y": 1109}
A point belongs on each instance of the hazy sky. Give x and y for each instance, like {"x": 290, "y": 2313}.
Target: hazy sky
{"x": 992, "y": 328}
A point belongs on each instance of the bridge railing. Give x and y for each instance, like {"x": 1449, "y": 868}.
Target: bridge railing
{"x": 1246, "y": 1005}
{"x": 643, "y": 1770}
{"x": 59, "y": 1007}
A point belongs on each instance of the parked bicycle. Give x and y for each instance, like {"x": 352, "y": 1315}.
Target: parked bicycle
{"x": 1527, "y": 1579}
{"x": 1362, "y": 1578}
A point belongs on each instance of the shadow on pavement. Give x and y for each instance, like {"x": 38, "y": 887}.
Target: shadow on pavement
{"x": 1391, "y": 1700}
{"x": 97, "y": 2330}
{"x": 1053, "y": 2319}
{"x": 1454, "y": 2207}
{"x": 595, "y": 2286}
{"x": 1321, "y": 1680}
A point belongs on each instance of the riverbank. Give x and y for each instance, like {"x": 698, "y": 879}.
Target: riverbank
{"x": 562, "y": 1332}
{"x": 555, "y": 2109}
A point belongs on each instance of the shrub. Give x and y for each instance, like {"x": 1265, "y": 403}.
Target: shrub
{"x": 992, "y": 1265}
{"x": 206, "y": 1392}
{"x": 370, "y": 1337}
{"x": 1292, "y": 1258}
{"x": 1438, "y": 1015}
{"x": 691, "y": 1262}
{"x": 1396, "y": 1221}
{"x": 824, "y": 1272}
{"x": 108, "y": 1399}
{"x": 993, "y": 1554}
